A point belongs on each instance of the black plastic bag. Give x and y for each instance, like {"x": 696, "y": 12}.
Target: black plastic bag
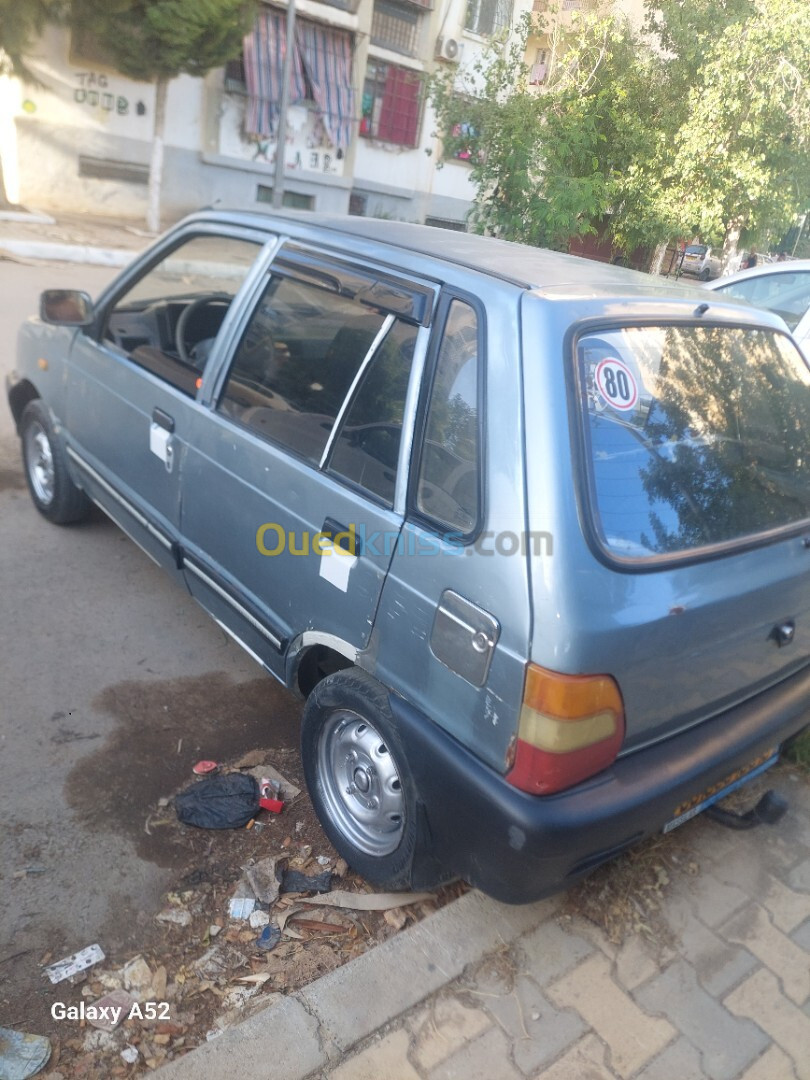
{"x": 219, "y": 802}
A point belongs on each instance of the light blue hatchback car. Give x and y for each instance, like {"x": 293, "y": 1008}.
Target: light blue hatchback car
{"x": 530, "y": 534}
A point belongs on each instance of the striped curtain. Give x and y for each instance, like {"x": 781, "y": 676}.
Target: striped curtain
{"x": 321, "y": 71}
{"x": 264, "y": 50}
{"x": 327, "y": 57}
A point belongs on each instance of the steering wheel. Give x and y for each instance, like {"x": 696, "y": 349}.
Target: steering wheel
{"x": 187, "y": 314}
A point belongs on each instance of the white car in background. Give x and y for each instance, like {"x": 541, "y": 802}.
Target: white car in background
{"x": 699, "y": 261}
{"x": 783, "y": 288}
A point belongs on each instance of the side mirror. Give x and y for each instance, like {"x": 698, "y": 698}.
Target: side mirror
{"x": 66, "y": 307}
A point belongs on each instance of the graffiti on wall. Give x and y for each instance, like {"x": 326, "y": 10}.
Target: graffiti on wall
{"x": 95, "y": 92}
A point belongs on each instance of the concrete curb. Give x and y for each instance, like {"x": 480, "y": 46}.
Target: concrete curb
{"x": 316, "y": 1026}
{"x": 74, "y": 253}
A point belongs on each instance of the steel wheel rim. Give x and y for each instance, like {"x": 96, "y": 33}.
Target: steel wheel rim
{"x": 39, "y": 458}
{"x": 360, "y": 784}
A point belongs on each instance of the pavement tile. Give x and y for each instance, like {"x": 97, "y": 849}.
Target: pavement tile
{"x": 585, "y": 1061}
{"x": 633, "y": 1038}
{"x": 715, "y": 900}
{"x": 387, "y": 1057}
{"x": 719, "y": 964}
{"x": 538, "y": 1031}
{"x": 680, "y": 1060}
{"x": 786, "y": 907}
{"x": 442, "y": 1028}
{"x": 773, "y": 1065}
{"x": 634, "y": 963}
{"x": 485, "y": 1058}
{"x": 802, "y": 936}
{"x": 550, "y": 951}
{"x": 760, "y": 999}
{"x": 753, "y": 928}
{"x": 799, "y": 877}
{"x": 727, "y": 1045}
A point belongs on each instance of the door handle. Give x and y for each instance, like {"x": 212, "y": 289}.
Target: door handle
{"x": 160, "y": 437}
{"x": 342, "y": 536}
{"x": 162, "y": 419}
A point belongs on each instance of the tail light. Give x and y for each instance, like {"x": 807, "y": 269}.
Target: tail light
{"x": 571, "y": 727}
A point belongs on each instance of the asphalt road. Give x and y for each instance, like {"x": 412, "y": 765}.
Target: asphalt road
{"x": 112, "y": 683}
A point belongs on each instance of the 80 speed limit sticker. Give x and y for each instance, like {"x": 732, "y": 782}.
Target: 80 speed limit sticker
{"x": 616, "y": 383}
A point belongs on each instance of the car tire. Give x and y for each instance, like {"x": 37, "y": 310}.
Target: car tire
{"x": 705, "y": 274}
{"x": 358, "y": 778}
{"x": 53, "y": 492}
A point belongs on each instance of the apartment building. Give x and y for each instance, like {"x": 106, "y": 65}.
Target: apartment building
{"x": 361, "y": 137}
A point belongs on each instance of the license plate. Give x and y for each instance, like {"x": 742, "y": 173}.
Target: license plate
{"x": 698, "y": 803}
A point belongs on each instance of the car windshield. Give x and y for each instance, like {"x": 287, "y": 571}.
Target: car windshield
{"x": 696, "y": 435}
{"x": 788, "y": 294}
{"x": 696, "y": 249}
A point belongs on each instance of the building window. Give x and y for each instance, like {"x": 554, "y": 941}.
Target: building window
{"x": 321, "y": 72}
{"x": 488, "y": 17}
{"x": 539, "y": 71}
{"x": 392, "y": 100}
{"x": 395, "y": 26}
{"x": 292, "y": 200}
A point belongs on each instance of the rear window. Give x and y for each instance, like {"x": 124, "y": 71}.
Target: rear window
{"x": 696, "y": 249}
{"x": 696, "y": 436}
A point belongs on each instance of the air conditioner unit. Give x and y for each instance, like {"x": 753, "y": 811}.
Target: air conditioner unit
{"x": 448, "y": 48}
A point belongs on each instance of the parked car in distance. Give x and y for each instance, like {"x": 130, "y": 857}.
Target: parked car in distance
{"x": 780, "y": 287}
{"x": 698, "y": 261}
{"x": 527, "y": 532}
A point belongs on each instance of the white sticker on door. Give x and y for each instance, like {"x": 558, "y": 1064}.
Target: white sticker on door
{"x": 336, "y": 565}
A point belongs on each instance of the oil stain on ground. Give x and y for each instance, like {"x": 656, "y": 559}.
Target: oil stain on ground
{"x": 163, "y": 728}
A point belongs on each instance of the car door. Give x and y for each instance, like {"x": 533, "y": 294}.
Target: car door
{"x": 293, "y": 498}
{"x": 133, "y": 385}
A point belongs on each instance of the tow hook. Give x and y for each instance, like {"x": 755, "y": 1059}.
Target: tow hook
{"x": 770, "y": 809}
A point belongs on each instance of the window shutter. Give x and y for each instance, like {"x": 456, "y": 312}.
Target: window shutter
{"x": 399, "y": 115}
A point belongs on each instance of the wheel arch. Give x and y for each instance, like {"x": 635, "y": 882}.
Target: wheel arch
{"x": 20, "y": 395}
{"x": 313, "y": 655}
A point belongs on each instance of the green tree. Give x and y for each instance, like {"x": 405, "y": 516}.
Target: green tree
{"x": 157, "y": 40}
{"x": 741, "y": 156}
{"x": 20, "y": 22}
{"x": 551, "y": 165}
{"x": 698, "y": 125}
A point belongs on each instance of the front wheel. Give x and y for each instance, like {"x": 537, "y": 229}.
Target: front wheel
{"x": 358, "y": 777}
{"x": 53, "y": 492}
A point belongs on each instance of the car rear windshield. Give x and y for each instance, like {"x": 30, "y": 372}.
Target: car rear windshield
{"x": 696, "y": 436}
{"x": 696, "y": 249}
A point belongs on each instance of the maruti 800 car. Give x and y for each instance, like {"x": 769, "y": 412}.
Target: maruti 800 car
{"x": 530, "y": 534}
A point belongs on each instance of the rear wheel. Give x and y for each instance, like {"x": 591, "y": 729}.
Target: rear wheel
{"x": 53, "y": 492}
{"x": 358, "y": 777}
{"x": 705, "y": 274}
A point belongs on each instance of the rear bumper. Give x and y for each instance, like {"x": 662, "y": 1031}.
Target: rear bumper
{"x": 518, "y": 847}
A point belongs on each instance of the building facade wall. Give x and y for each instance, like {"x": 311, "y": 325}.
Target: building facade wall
{"x": 80, "y": 139}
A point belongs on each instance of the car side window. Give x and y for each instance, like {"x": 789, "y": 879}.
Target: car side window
{"x": 788, "y": 295}
{"x": 168, "y": 320}
{"x": 296, "y": 363}
{"x": 448, "y": 482}
{"x": 366, "y": 450}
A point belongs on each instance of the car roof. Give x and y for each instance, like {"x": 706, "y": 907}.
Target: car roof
{"x": 523, "y": 265}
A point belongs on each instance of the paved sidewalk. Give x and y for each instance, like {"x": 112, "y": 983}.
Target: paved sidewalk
{"x": 481, "y": 990}
{"x": 72, "y": 238}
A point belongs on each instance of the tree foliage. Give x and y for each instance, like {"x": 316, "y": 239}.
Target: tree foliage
{"x": 696, "y": 125}
{"x": 21, "y": 21}
{"x": 151, "y": 39}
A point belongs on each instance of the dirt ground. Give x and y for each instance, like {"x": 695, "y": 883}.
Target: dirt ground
{"x": 205, "y": 965}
